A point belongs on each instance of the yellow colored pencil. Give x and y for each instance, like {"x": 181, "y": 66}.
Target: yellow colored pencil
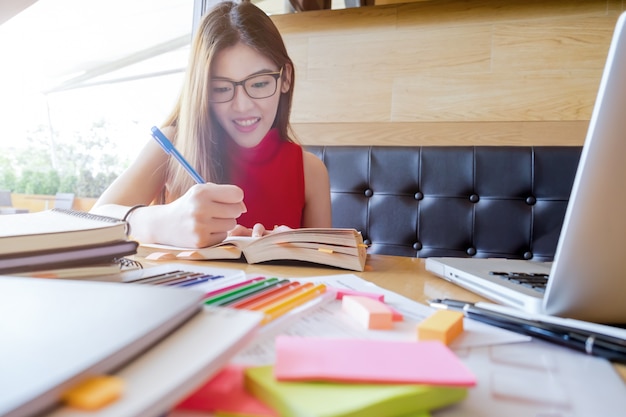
{"x": 276, "y": 310}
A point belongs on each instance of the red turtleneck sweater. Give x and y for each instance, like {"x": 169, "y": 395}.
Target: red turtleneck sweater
{"x": 271, "y": 175}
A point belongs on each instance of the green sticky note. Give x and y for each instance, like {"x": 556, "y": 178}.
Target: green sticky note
{"x": 325, "y": 399}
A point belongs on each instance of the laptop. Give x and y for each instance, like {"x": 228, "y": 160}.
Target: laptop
{"x": 54, "y": 333}
{"x": 587, "y": 278}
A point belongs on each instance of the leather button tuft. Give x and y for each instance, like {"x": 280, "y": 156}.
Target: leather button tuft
{"x": 528, "y": 255}
{"x": 417, "y": 246}
{"x": 471, "y": 251}
{"x": 474, "y": 198}
{"x": 367, "y": 242}
{"x": 369, "y": 193}
{"x": 531, "y": 200}
{"x": 419, "y": 195}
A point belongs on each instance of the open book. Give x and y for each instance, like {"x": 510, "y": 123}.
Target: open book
{"x": 340, "y": 248}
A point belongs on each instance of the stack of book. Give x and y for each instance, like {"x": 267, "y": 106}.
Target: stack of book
{"x": 61, "y": 240}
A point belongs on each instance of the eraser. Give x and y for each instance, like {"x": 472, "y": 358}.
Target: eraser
{"x": 442, "y": 325}
{"x": 94, "y": 392}
{"x": 371, "y": 314}
{"x": 395, "y": 314}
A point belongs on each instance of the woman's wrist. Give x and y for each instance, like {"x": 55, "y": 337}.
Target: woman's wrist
{"x": 126, "y": 217}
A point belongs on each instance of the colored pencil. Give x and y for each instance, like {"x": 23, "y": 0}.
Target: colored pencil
{"x": 255, "y": 289}
{"x": 232, "y": 286}
{"x": 276, "y": 310}
{"x": 216, "y": 299}
{"x": 261, "y": 304}
{"x": 264, "y": 296}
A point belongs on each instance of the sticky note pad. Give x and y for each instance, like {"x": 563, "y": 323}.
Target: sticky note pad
{"x": 342, "y": 292}
{"x": 351, "y": 360}
{"x": 225, "y": 394}
{"x": 371, "y": 314}
{"x": 329, "y": 399}
{"x": 442, "y": 325}
{"x": 94, "y": 393}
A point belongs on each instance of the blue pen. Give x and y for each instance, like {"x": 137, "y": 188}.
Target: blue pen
{"x": 170, "y": 149}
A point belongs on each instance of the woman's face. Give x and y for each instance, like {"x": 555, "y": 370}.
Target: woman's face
{"x": 247, "y": 120}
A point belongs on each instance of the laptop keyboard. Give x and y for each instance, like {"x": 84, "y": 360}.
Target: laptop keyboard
{"x": 535, "y": 281}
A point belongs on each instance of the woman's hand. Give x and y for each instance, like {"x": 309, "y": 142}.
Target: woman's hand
{"x": 257, "y": 230}
{"x": 201, "y": 217}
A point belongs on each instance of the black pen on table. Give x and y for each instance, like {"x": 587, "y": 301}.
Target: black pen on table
{"x": 601, "y": 345}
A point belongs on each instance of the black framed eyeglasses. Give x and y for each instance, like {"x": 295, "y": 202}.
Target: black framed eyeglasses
{"x": 256, "y": 86}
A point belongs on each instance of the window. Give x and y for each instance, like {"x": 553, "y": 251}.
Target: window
{"x": 82, "y": 83}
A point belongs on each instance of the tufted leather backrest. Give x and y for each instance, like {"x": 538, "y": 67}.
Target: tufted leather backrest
{"x": 480, "y": 201}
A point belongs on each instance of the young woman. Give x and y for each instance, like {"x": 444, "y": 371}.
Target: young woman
{"x": 231, "y": 123}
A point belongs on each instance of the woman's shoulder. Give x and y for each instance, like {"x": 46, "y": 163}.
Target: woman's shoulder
{"x": 312, "y": 164}
{"x": 169, "y": 131}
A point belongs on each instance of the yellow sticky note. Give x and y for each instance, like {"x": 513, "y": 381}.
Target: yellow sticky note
{"x": 442, "y": 325}
{"x": 94, "y": 392}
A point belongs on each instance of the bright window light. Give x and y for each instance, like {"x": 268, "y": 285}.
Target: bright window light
{"x": 72, "y": 66}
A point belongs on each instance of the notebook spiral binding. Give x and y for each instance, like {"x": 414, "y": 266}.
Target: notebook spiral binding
{"x": 126, "y": 263}
{"x": 87, "y": 215}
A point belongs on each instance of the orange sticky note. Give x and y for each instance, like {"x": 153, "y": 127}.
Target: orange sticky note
{"x": 442, "y": 325}
{"x": 371, "y": 314}
{"x": 94, "y": 393}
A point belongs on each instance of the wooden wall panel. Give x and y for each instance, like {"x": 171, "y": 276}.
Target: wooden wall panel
{"x": 567, "y": 133}
{"x": 449, "y": 71}
{"x": 531, "y": 96}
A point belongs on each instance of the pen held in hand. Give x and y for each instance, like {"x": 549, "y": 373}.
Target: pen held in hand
{"x": 169, "y": 148}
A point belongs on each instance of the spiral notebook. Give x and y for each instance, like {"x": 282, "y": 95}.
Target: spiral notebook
{"x": 56, "y": 229}
{"x": 60, "y": 238}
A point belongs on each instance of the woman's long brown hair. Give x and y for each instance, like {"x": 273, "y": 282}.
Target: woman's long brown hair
{"x": 199, "y": 136}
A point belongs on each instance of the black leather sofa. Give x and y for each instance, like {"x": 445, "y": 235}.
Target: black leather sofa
{"x": 472, "y": 201}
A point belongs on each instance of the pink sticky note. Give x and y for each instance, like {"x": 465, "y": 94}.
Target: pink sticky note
{"x": 226, "y": 393}
{"x": 369, "y": 361}
{"x": 340, "y": 292}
